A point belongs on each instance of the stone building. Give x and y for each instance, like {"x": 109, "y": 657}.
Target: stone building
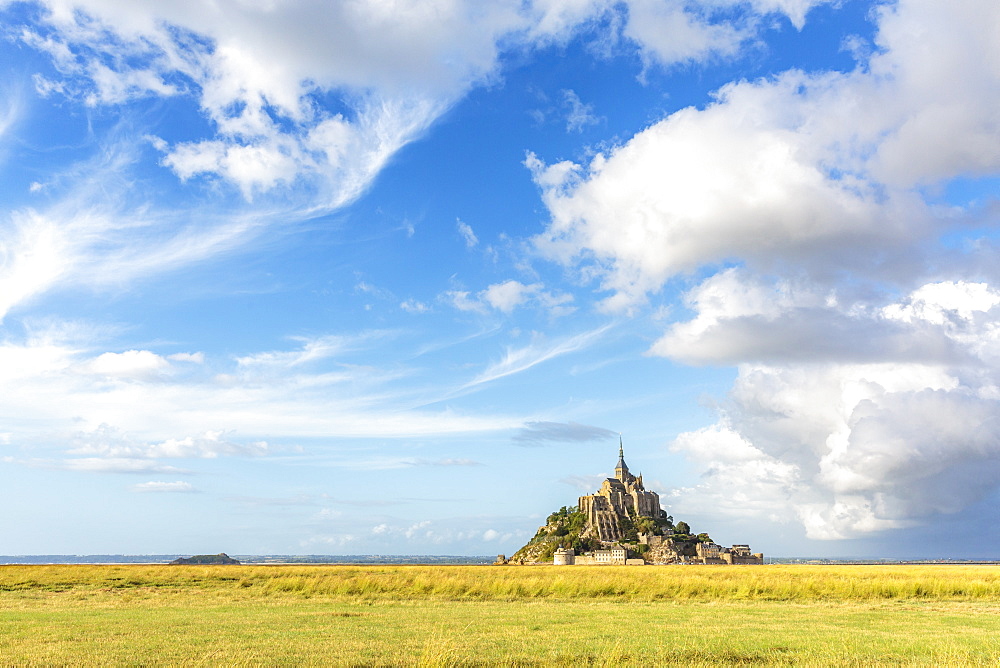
{"x": 710, "y": 553}
{"x": 618, "y": 497}
{"x": 564, "y": 556}
{"x": 615, "y": 554}
{"x": 740, "y": 554}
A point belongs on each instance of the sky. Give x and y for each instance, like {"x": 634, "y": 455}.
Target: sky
{"x": 373, "y": 277}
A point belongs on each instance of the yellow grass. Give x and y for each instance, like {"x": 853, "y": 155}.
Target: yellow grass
{"x": 507, "y": 616}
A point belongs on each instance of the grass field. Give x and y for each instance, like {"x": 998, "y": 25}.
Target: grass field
{"x": 506, "y": 616}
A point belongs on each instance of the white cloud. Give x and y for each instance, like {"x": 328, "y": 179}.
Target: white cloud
{"x": 396, "y": 70}
{"x": 462, "y": 300}
{"x": 743, "y": 318}
{"x": 194, "y": 358}
{"x": 669, "y": 33}
{"x": 218, "y": 408}
{"x": 948, "y": 302}
{"x": 263, "y": 77}
{"x": 578, "y": 114}
{"x": 819, "y": 172}
{"x": 108, "y": 441}
{"x": 467, "y": 234}
{"x": 845, "y": 444}
{"x": 508, "y": 295}
{"x": 129, "y": 364}
{"x": 33, "y": 252}
{"x": 517, "y": 360}
{"x": 312, "y": 350}
{"x": 94, "y": 234}
{"x": 260, "y": 86}
{"x": 414, "y": 306}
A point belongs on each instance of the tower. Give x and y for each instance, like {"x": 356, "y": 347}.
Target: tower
{"x": 621, "y": 468}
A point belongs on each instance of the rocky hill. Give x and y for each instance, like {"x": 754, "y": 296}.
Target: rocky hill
{"x": 657, "y": 541}
{"x": 624, "y": 514}
{"x": 199, "y": 559}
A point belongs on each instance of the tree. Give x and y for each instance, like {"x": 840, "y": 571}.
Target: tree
{"x": 645, "y": 525}
{"x": 682, "y": 527}
{"x": 629, "y": 533}
{"x": 704, "y": 538}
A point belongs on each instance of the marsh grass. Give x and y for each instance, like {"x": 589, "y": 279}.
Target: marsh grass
{"x": 504, "y": 616}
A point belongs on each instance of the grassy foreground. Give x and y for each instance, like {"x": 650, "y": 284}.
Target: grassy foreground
{"x": 506, "y": 616}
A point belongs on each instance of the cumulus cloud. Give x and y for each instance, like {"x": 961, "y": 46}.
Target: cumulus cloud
{"x": 129, "y": 364}
{"x": 816, "y": 171}
{"x": 508, "y": 295}
{"x": 850, "y": 445}
{"x": 670, "y": 33}
{"x": 867, "y": 390}
{"x": 742, "y": 317}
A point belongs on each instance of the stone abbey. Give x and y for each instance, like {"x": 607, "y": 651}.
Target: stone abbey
{"x": 618, "y": 497}
{"x": 623, "y": 523}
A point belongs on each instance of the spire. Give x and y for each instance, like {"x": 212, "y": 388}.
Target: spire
{"x": 621, "y": 468}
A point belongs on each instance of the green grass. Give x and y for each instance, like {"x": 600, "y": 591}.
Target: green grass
{"x": 507, "y": 616}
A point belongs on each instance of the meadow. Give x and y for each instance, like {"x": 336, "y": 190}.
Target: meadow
{"x": 499, "y": 616}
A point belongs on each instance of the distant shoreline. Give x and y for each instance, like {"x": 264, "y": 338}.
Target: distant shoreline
{"x": 419, "y": 560}
{"x": 252, "y": 559}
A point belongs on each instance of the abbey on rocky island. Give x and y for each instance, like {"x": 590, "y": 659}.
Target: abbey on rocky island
{"x": 623, "y": 523}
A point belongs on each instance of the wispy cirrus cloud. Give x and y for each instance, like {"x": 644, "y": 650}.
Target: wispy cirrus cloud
{"x": 518, "y": 360}
{"x": 122, "y": 417}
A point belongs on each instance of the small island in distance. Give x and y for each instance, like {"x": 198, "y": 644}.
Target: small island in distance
{"x": 623, "y": 523}
{"x": 206, "y": 559}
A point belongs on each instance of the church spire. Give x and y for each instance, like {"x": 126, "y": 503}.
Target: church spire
{"x": 621, "y": 469}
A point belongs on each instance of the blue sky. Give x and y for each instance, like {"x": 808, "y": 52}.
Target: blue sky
{"x": 371, "y": 277}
